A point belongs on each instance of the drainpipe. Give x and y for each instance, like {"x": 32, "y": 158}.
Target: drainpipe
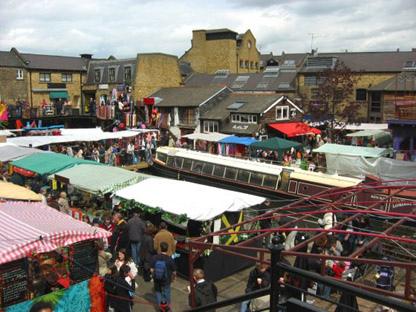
{"x": 30, "y": 90}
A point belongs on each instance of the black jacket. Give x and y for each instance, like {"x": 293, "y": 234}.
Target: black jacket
{"x": 252, "y": 284}
{"x": 120, "y": 238}
{"x": 205, "y": 293}
{"x": 147, "y": 251}
{"x": 122, "y": 301}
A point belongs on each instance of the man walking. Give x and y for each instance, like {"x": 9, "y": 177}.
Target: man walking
{"x": 120, "y": 238}
{"x": 136, "y": 228}
{"x": 166, "y": 237}
{"x": 205, "y": 291}
{"x": 163, "y": 269}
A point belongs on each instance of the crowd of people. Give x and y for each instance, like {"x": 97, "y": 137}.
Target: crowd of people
{"x": 137, "y": 247}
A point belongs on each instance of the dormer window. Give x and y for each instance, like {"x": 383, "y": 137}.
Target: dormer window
{"x": 111, "y": 74}
{"x": 127, "y": 74}
{"x": 97, "y": 75}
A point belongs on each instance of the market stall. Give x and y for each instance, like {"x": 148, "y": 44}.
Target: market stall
{"x": 10, "y": 152}
{"x": 93, "y": 186}
{"x": 235, "y": 145}
{"x": 364, "y": 137}
{"x": 11, "y": 191}
{"x": 46, "y": 255}
{"x": 276, "y": 144}
{"x": 46, "y": 163}
{"x": 294, "y": 129}
{"x": 195, "y": 209}
{"x": 206, "y": 142}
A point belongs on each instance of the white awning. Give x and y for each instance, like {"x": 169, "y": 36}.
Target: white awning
{"x": 199, "y": 202}
{"x": 363, "y": 126}
{"x": 71, "y": 135}
{"x": 210, "y": 137}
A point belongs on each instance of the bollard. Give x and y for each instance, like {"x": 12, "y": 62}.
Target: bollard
{"x": 275, "y": 248}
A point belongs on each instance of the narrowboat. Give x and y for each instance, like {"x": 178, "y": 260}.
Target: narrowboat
{"x": 268, "y": 180}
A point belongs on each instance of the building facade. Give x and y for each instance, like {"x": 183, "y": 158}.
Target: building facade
{"x": 222, "y": 49}
{"x": 368, "y": 69}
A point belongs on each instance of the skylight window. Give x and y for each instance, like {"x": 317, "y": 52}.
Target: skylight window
{"x": 236, "y": 105}
{"x": 240, "y": 82}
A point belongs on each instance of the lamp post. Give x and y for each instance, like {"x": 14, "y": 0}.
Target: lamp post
{"x": 275, "y": 248}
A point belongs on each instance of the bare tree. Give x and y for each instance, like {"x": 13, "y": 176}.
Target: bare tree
{"x": 335, "y": 89}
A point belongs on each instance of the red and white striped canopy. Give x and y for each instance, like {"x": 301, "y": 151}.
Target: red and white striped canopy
{"x": 27, "y": 228}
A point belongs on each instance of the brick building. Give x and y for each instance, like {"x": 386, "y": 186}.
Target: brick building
{"x": 222, "y": 49}
{"x": 369, "y": 69}
{"x": 13, "y": 78}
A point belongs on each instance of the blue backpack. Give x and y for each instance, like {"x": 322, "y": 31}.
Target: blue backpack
{"x": 160, "y": 273}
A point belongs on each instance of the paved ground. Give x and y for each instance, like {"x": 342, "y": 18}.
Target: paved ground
{"x": 227, "y": 288}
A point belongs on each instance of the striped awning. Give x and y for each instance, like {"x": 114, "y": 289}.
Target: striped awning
{"x": 27, "y": 228}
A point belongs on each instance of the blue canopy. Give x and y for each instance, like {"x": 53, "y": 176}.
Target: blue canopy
{"x": 238, "y": 140}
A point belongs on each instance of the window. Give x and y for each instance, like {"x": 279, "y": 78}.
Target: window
{"x": 249, "y": 44}
{"x": 256, "y": 179}
{"x": 361, "y": 95}
{"x": 257, "y": 65}
{"x": 44, "y": 77}
{"x": 310, "y": 81}
{"x": 66, "y": 77}
{"x": 282, "y": 113}
{"x": 210, "y": 126}
{"x": 230, "y": 173}
{"x": 244, "y": 118}
{"x": 170, "y": 161}
{"x": 112, "y": 74}
{"x": 197, "y": 167}
{"x": 252, "y": 65}
{"x": 162, "y": 157}
{"x": 241, "y": 64}
{"x": 270, "y": 181}
{"x": 178, "y": 162}
{"x": 127, "y": 74}
{"x": 187, "y": 116}
{"x": 97, "y": 75}
{"x": 187, "y": 164}
{"x": 19, "y": 74}
{"x": 208, "y": 169}
{"x": 243, "y": 176}
{"x": 219, "y": 171}
{"x": 375, "y": 102}
{"x": 247, "y": 64}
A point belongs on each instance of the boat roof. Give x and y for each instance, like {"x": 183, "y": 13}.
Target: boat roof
{"x": 297, "y": 173}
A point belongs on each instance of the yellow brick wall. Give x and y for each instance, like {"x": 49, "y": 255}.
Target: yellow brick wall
{"x": 246, "y": 53}
{"x": 73, "y": 88}
{"x": 212, "y": 55}
{"x": 12, "y": 89}
{"x": 365, "y": 81}
{"x": 155, "y": 71}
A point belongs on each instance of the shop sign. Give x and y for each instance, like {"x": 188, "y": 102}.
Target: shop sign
{"x": 103, "y": 86}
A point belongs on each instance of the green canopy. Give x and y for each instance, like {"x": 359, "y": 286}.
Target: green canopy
{"x": 276, "y": 144}
{"x": 58, "y": 95}
{"x": 49, "y": 163}
{"x": 351, "y": 150}
{"x": 99, "y": 180}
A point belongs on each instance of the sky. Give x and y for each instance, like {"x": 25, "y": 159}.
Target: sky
{"x": 124, "y": 28}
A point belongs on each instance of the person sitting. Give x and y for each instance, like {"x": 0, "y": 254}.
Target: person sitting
{"x": 259, "y": 278}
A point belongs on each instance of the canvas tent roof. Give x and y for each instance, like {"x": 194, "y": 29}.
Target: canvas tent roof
{"x": 49, "y": 163}
{"x": 34, "y": 227}
{"x": 238, "y": 140}
{"x": 10, "y": 151}
{"x": 199, "y": 202}
{"x": 13, "y": 191}
{"x": 101, "y": 179}
{"x": 71, "y": 135}
{"x": 210, "y": 137}
{"x": 292, "y": 129}
{"x": 351, "y": 150}
{"x": 276, "y": 144}
{"x": 368, "y": 133}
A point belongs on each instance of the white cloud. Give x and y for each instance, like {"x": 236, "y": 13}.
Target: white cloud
{"x": 126, "y": 27}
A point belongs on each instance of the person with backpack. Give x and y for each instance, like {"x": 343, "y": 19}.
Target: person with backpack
{"x": 205, "y": 291}
{"x": 163, "y": 269}
{"x": 385, "y": 276}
